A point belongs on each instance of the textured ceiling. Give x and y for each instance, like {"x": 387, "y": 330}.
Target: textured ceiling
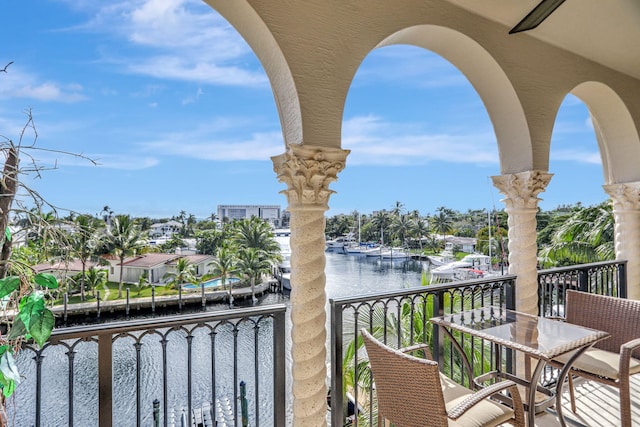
{"x": 604, "y": 31}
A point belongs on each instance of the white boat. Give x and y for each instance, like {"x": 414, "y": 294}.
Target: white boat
{"x": 372, "y": 252}
{"x": 340, "y": 243}
{"x": 445, "y": 257}
{"x": 282, "y": 236}
{"x": 354, "y": 249}
{"x": 476, "y": 265}
{"x": 395, "y": 253}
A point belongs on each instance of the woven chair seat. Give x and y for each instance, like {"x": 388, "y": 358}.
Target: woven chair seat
{"x": 613, "y": 360}
{"x": 484, "y": 413}
{"x": 411, "y": 392}
{"x": 600, "y": 362}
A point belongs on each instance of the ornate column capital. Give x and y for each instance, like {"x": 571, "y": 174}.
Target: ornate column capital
{"x": 308, "y": 171}
{"x": 522, "y": 189}
{"x": 625, "y": 196}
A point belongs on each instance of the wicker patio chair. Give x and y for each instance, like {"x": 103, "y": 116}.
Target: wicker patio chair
{"x": 411, "y": 392}
{"x": 613, "y": 360}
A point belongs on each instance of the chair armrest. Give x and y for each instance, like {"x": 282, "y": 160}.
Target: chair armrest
{"x": 418, "y": 347}
{"x": 626, "y": 350}
{"x": 477, "y": 397}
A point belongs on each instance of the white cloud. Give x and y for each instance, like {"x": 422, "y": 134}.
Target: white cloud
{"x": 260, "y": 146}
{"x": 21, "y": 84}
{"x": 377, "y": 142}
{"x": 127, "y": 161}
{"x": 575, "y": 155}
{"x": 176, "y": 39}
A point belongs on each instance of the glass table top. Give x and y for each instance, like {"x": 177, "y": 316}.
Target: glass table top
{"x": 537, "y": 336}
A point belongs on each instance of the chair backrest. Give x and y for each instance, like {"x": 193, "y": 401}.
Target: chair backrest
{"x": 618, "y": 316}
{"x": 408, "y": 389}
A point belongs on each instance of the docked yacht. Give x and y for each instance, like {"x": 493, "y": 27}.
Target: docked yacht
{"x": 445, "y": 257}
{"x": 395, "y": 254}
{"x": 470, "y": 267}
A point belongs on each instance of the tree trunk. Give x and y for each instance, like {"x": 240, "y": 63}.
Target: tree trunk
{"x": 8, "y": 183}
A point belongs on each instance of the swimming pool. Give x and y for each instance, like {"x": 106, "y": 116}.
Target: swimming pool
{"x": 214, "y": 283}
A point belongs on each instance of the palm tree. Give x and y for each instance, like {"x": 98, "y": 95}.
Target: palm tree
{"x": 224, "y": 266}
{"x": 442, "y": 221}
{"x": 586, "y": 236}
{"x": 185, "y": 273}
{"x": 83, "y": 243}
{"x": 94, "y": 278}
{"x": 124, "y": 238}
{"x": 381, "y": 220}
{"x": 420, "y": 230}
{"x": 253, "y": 263}
{"x": 256, "y": 233}
{"x": 401, "y": 227}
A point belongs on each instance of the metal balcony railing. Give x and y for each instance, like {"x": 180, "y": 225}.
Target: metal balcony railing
{"x": 116, "y": 373}
{"x": 401, "y": 319}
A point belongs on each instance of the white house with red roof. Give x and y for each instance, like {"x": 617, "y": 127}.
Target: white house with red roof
{"x": 155, "y": 265}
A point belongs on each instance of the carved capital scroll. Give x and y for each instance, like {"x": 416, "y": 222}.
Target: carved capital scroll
{"x": 308, "y": 171}
{"x": 522, "y": 189}
{"x": 625, "y": 196}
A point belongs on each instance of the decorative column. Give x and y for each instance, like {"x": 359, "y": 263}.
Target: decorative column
{"x": 308, "y": 171}
{"x": 521, "y": 191}
{"x": 626, "y": 213}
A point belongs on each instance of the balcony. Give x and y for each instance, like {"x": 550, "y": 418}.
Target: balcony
{"x": 126, "y": 373}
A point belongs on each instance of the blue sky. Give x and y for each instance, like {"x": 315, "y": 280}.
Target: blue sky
{"x": 177, "y": 110}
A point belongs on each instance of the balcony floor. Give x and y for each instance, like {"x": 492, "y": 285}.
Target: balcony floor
{"x": 597, "y": 405}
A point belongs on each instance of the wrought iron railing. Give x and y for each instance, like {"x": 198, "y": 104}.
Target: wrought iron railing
{"x": 128, "y": 373}
{"x": 400, "y": 319}
{"x": 603, "y": 278}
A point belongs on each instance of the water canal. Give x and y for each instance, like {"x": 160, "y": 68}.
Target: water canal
{"x": 347, "y": 275}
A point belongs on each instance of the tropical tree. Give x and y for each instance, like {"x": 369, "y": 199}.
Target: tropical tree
{"x": 253, "y": 263}
{"x": 442, "y": 221}
{"x": 381, "y": 220}
{"x": 208, "y": 241}
{"x": 124, "y": 238}
{"x": 185, "y": 273}
{"x": 142, "y": 281}
{"x": 420, "y": 230}
{"x": 586, "y": 236}
{"x": 401, "y": 227}
{"x": 95, "y": 278}
{"x": 83, "y": 243}
{"x": 224, "y": 265}
{"x": 256, "y": 233}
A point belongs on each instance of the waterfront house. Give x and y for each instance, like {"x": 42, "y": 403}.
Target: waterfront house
{"x": 64, "y": 269}
{"x": 154, "y": 265}
{"x": 165, "y": 229}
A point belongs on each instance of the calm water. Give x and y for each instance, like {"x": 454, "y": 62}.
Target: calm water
{"x": 347, "y": 275}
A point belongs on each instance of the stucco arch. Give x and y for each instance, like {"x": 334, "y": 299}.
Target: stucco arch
{"x": 489, "y": 80}
{"x": 252, "y": 28}
{"x": 615, "y": 131}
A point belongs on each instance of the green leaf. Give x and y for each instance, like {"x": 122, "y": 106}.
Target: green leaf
{"x": 8, "y": 367}
{"x": 46, "y": 280}
{"x": 31, "y": 305}
{"x": 41, "y": 326}
{"x": 7, "y": 233}
{"x": 18, "y": 329}
{"x": 8, "y": 285}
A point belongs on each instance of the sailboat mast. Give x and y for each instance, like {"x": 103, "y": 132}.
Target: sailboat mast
{"x": 489, "y": 222}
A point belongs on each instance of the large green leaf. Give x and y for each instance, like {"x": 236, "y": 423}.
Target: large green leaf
{"x": 46, "y": 280}
{"x": 18, "y": 329}
{"x": 31, "y": 305}
{"x": 7, "y": 233}
{"x": 8, "y": 285}
{"x": 41, "y": 326}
